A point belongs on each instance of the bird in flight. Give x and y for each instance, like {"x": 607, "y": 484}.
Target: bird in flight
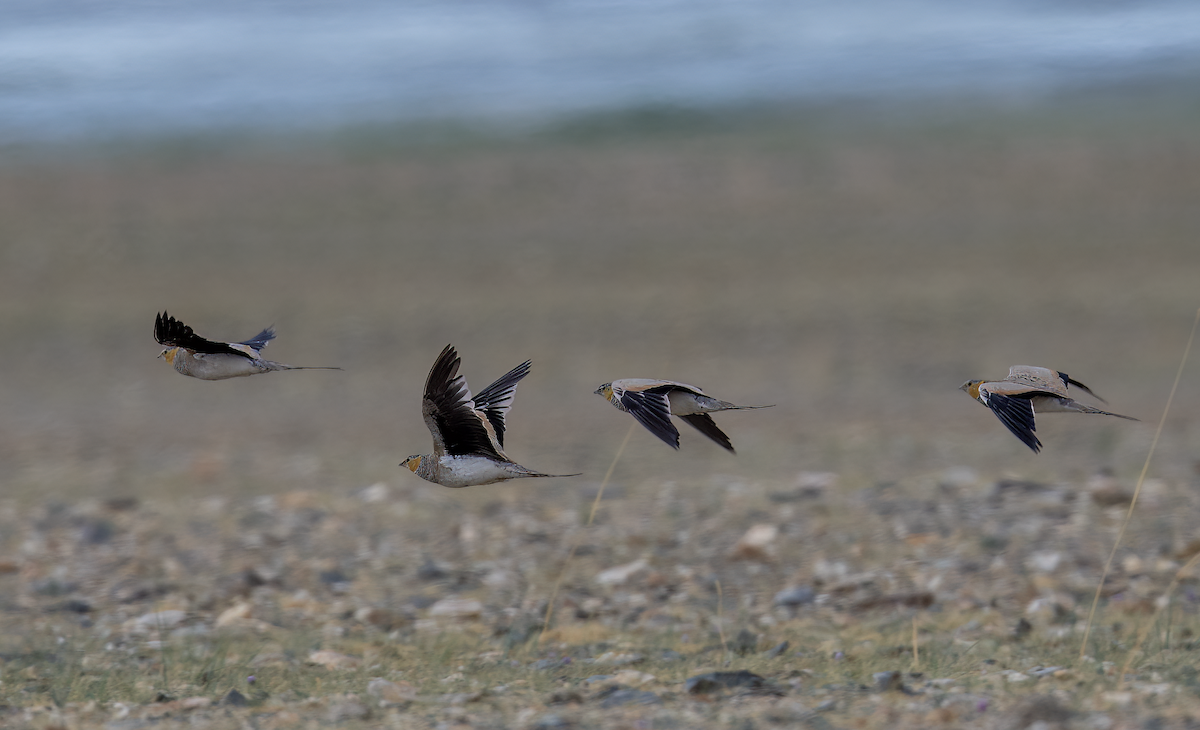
{"x": 468, "y": 431}
{"x": 653, "y": 402}
{"x": 191, "y": 354}
{"x": 1028, "y": 390}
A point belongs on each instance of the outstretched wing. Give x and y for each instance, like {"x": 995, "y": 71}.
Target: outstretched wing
{"x": 173, "y": 333}
{"x": 450, "y": 413}
{"x": 652, "y": 409}
{"x": 704, "y": 423}
{"x": 1016, "y": 413}
{"x": 497, "y": 398}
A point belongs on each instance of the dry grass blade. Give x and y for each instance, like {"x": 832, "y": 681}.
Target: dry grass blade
{"x": 1137, "y": 489}
{"x": 721, "y": 620}
{"x": 575, "y": 542}
{"x": 1163, "y": 602}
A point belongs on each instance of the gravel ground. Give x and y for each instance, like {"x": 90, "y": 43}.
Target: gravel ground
{"x": 880, "y": 553}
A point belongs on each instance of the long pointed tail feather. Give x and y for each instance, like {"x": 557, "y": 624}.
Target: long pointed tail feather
{"x": 284, "y": 366}
{"x": 727, "y": 406}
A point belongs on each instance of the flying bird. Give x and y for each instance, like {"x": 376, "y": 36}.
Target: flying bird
{"x": 652, "y": 402}
{"x": 468, "y": 431}
{"x": 1027, "y": 390}
{"x": 191, "y": 354}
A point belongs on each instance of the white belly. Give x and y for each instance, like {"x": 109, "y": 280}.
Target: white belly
{"x": 471, "y": 471}
{"x": 684, "y": 403}
{"x": 217, "y": 366}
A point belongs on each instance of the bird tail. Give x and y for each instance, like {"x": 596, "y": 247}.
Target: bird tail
{"x": 1083, "y": 408}
{"x": 726, "y": 406}
{"x": 271, "y": 364}
{"x": 525, "y": 472}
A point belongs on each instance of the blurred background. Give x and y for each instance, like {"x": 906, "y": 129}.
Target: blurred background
{"x": 844, "y": 211}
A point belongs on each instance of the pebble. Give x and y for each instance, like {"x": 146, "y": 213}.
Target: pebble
{"x": 797, "y": 596}
{"x": 703, "y": 684}
{"x": 159, "y": 620}
{"x": 629, "y": 697}
{"x": 614, "y": 659}
{"x": 620, "y": 574}
{"x": 350, "y": 709}
{"x": 756, "y": 544}
{"x": 457, "y": 608}
{"x": 887, "y": 681}
{"x": 632, "y": 678}
{"x": 395, "y": 693}
{"x": 333, "y": 660}
{"x": 234, "y": 614}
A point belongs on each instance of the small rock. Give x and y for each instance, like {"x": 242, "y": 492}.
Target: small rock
{"x": 613, "y": 659}
{"x": 233, "y": 698}
{"x": 629, "y": 697}
{"x": 550, "y": 721}
{"x": 545, "y": 664}
{"x": 235, "y": 613}
{"x": 565, "y": 697}
{"x": 1021, "y": 629}
{"x": 703, "y": 684}
{"x": 777, "y": 650}
{"x": 1042, "y": 710}
{"x": 632, "y": 678}
{"x": 430, "y": 570}
{"x": 457, "y": 608}
{"x": 756, "y": 544}
{"x": 394, "y": 693}
{"x": 498, "y": 579}
{"x": 159, "y": 620}
{"x": 332, "y": 659}
{"x": 195, "y": 703}
{"x": 1045, "y": 561}
{"x": 744, "y": 643}
{"x": 621, "y": 573}
{"x": 792, "y": 597}
{"x": 349, "y": 709}
{"x": 375, "y": 616}
{"x": 888, "y": 681}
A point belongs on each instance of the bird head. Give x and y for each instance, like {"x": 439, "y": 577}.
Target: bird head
{"x": 971, "y": 388}
{"x": 168, "y": 354}
{"x": 412, "y": 463}
{"x": 605, "y": 390}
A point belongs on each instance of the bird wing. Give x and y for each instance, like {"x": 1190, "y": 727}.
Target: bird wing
{"x": 173, "y": 333}
{"x": 449, "y": 412}
{"x": 1042, "y": 378}
{"x": 259, "y": 341}
{"x": 1012, "y": 404}
{"x": 1047, "y": 379}
{"x": 651, "y": 409}
{"x": 704, "y": 423}
{"x": 495, "y": 400}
